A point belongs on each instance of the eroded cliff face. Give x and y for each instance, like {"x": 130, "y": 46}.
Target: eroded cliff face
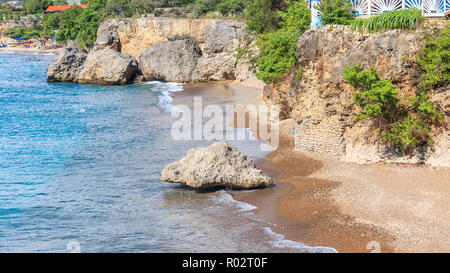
{"x": 217, "y": 39}
{"x": 322, "y": 103}
{"x": 158, "y": 47}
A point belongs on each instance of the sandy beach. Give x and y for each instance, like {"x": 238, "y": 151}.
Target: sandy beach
{"x": 321, "y": 201}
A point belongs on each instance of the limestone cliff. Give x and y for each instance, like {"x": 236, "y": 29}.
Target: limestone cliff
{"x": 182, "y": 50}
{"x": 217, "y": 39}
{"x": 322, "y": 103}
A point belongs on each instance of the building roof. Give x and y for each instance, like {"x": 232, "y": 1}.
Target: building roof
{"x": 62, "y": 8}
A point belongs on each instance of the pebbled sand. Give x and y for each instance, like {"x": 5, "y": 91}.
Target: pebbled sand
{"x": 321, "y": 201}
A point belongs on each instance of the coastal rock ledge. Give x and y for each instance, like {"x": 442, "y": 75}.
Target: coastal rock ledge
{"x": 102, "y": 65}
{"x": 220, "y": 164}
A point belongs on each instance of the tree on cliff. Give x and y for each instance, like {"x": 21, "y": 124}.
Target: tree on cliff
{"x": 278, "y": 48}
{"x": 36, "y": 6}
{"x": 337, "y": 12}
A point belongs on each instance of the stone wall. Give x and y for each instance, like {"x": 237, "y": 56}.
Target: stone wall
{"x": 322, "y": 103}
{"x": 323, "y": 136}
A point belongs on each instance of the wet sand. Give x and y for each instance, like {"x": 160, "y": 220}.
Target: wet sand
{"x": 321, "y": 201}
{"x": 302, "y": 208}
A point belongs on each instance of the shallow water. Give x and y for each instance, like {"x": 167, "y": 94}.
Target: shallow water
{"x": 81, "y": 163}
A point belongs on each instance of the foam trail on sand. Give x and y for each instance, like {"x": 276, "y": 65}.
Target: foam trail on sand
{"x": 280, "y": 242}
{"x": 277, "y": 240}
{"x": 226, "y": 198}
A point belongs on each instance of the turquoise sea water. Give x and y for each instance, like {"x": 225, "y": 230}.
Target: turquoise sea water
{"x": 81, "y": 163}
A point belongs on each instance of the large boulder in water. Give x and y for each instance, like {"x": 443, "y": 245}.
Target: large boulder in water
{"x": 220, "y": 164}
{"x": 102, "y": 65}
{"x": 68, "y": 65}
{"x": 107, "y": 66}
{"x": 173, "y": 61}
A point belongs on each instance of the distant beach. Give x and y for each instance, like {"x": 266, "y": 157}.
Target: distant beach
{"x": 29, "y": 50}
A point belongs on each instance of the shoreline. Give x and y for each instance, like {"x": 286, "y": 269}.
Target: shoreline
{"x": 29, "y": 50}
{"x": 321, "y": 201}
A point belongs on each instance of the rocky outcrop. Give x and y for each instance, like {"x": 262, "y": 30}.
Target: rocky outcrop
{"x": 108, "y": 39}
{"x": 169, "y": 49}
{"x": 102, "y": 65}
{"x": 216, "y": 39}
{"x": 173, "y": 61}
{"x": 322, "y": 103}
{"x": 107, "y": 66}
{"x": 7, "y": 24}
{"x": 68, "y": 65}
{"x": 220, "y": 164}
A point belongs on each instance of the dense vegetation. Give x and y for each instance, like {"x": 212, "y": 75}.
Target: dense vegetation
{"x": 37, "y": 6}
{"x": 36, "y": 31}
{"x": 406, "y": 123}
{"x": 82, "y": 24}
{"x": 435, "y": 61}
{"x": 398, "y": 19}
{"x": 277, "y": 32}
{"x": 336, "y": 12}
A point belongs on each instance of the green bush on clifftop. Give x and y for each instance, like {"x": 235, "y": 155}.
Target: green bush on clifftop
{"x": 278, "y": 48}
{"x": 336, "y": 12}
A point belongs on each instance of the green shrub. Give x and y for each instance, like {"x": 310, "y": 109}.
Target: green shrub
{"x": 296, "y": 17}
{"x": 36, "y": 6}
{"x": 234, "y": 7}
{"x": 36, "y": 31}
{"x": 277, "y": 54}
{"x": 378, "y": 98}
{"x": 435, "y": 61}
{"x": 262, "y": 16}
{"x": 278, "y": 49}
{"x": 127, "y": 8}
{"x": 336, "y": 12}
{"x": 408, "y": 134}
{"x": 398, "y": 19}
{"x": 204, "y": 6}
{"x": 406, "y": 125}
{"x": 82, "y": 25}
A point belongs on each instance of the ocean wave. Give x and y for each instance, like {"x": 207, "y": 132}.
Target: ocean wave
{"x": 164, "y": 89}
{"x": 279, "y": 241}
{"x": 276, "y": 240}
{"x": 225, "y": 198}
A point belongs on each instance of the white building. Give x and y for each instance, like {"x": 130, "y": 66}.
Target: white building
{"x": 430, "y": 8}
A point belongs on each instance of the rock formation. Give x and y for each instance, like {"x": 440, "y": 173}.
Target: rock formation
{"x": 181, "y": 50}
{"x": 170, "y": 61}
{"x": 106, "y": 66}
{"x": 102, "y": 65}
{"x": 68, "y": 65}
{"x": 220, "y": 164}
{"x": 217, "y": 40}
{"x": 108, "y": 39}
{"x": 322, "y": 103}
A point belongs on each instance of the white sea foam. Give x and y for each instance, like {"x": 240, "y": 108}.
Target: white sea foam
{"x": 224, "y": 197}
{"x": 164, "y": 89}
{"x": 280, "y": 242}
{"x": 277, "y": 240}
